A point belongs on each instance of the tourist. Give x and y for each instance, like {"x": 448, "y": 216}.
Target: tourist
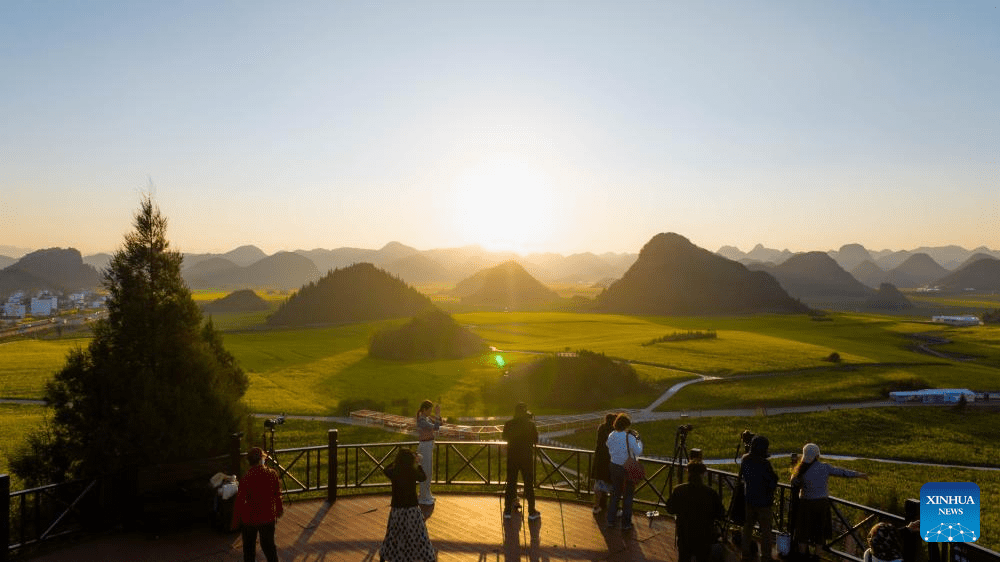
{"x": 622, "y": 444}
{"x": 883, "y": 542}
{"x": 427, "y": 424}
{"x": 759, "y": 484}
{"x": 258, "y": 506}
{"x": 521, "y": 436}
{"x": 406, "y": 538}
{"x": 697, "y": 508}
{"x": 813, "y": 525}
{"x": 600, "y": 469}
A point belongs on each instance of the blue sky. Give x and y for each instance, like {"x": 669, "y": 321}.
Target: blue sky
{"x": 532, "y": 126}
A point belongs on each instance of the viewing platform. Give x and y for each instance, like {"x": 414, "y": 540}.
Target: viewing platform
{"x": 462, "y": 527}
{"x": 74, "y": 520}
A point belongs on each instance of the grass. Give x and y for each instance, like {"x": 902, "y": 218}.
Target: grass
{"x": 17, "y": 421}
{"x": 29, "y": 363}
{"x": 934, "y": 435}
{"x": 819, "y": 386}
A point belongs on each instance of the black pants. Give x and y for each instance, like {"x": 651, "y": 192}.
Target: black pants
{"x": 527, "y": 470}
{"x": 266, "y": 542}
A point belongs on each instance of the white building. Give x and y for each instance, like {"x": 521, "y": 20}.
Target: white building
{"x": 14, "y": 310}
{"x": 44, "y": 306}
{"x": 967, "y": 320}
{"x": 934, "y": 395}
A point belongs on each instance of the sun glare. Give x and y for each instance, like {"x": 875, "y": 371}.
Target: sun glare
{"x": 504, "y": 205}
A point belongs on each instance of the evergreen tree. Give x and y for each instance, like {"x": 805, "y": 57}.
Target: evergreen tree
{"x": 154, "y": 385}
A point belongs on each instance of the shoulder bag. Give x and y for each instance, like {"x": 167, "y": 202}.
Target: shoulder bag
{"x": 634, "y": 470}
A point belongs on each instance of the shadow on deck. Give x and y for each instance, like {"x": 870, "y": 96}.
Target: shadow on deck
{"x": 462, "y": 528}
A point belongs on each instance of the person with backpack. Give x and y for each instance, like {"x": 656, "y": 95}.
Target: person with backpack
{"x": 759, "y": 484}
{"x": 697, "y": 507}
{"x": 521, "y": 435}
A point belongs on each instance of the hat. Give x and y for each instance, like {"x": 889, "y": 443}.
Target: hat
{"x": 521, "y": 408}
{"x": 810, "y": 452}
{"x": 255, "y": 454}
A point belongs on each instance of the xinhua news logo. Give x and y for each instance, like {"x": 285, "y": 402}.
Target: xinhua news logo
{"x": 949, "y": 512}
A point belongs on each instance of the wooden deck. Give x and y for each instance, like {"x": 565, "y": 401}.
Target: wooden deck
{"x": 462, "y": 528}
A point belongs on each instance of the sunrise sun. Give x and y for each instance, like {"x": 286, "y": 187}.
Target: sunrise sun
{"x": 504, "y": 205}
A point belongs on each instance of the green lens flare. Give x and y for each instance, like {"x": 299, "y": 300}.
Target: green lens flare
{"x": 499, "y": 360}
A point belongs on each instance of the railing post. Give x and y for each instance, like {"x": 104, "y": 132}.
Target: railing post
{"x": 5, "y": 516}
{"x": 235, "y": 453}
{"x": 331, "y": 466}
{"x": 911, "y": 540}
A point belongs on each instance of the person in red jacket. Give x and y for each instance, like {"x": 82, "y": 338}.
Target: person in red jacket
{"x": 258, "y": 506}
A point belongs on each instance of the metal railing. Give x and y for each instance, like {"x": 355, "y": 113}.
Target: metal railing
{"x": 40, "y": 514}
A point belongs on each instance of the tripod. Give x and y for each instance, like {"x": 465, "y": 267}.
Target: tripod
{"x": 272, "y": 456}
{"x": 680, "y": 457}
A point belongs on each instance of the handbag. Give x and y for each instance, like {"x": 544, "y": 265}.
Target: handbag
{"x": 634, "y": 470}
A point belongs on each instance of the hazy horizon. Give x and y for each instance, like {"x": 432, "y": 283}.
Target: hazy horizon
{"x": 524, "y": 127}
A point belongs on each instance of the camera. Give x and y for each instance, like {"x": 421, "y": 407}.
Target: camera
{"x": 746, "y": 438}
{"x": 684, "y": 429}
{"x": 271, "y": 423}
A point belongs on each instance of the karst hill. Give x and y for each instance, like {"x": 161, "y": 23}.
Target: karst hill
{"x": 54, "y": 269}
{"x": 359, "y": 293}
{"x": 815, "y": 275}
{"x": 980, "y": 275}
{"x": 888, "y": 297}
{"x": 673, "y": 276}
{"x": 506, "y": 286}
{"x": 917, "y": 270}
{"x": 243, "y": 300}
{"x": 430, "y": 335}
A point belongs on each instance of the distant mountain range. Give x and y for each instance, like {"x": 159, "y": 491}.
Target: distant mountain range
{"x": 804, "y": 275}
{"x": 850, "y": 256}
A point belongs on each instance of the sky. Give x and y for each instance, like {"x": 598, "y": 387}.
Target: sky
{"x": 531, "y": 126}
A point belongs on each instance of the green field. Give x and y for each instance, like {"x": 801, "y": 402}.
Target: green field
{"x": 27, "y": 364}
{"x": 762, "y": 360}
{"x": 758, "y": 362}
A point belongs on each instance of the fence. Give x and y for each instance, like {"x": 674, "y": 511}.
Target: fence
{"x": 40, "y": 514}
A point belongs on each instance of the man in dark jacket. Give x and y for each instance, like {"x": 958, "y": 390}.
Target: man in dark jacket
{"x": 759, "y": 483}
{"x": 697, "y": 507}
{"x": 521, "y": 436}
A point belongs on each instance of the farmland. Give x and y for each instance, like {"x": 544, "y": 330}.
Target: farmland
{"x": 756, "y": 362}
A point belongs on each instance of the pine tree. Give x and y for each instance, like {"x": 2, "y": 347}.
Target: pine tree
{"x": 154, "y": 385}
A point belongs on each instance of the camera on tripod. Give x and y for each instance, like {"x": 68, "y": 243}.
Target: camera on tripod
{"x": 743, "y": 442}
{"x": 274, "y": 422}
{"x": 684, "y": 429}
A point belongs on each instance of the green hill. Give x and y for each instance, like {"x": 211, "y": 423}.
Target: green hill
{"x": 432, "y": 334}
{"x": 358, "y": 293}
{"x": 243, "y": 300}
{"x": 673, "y": 276}
{"x": 507, "y": 286}
{"x": 583, "y": 380}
